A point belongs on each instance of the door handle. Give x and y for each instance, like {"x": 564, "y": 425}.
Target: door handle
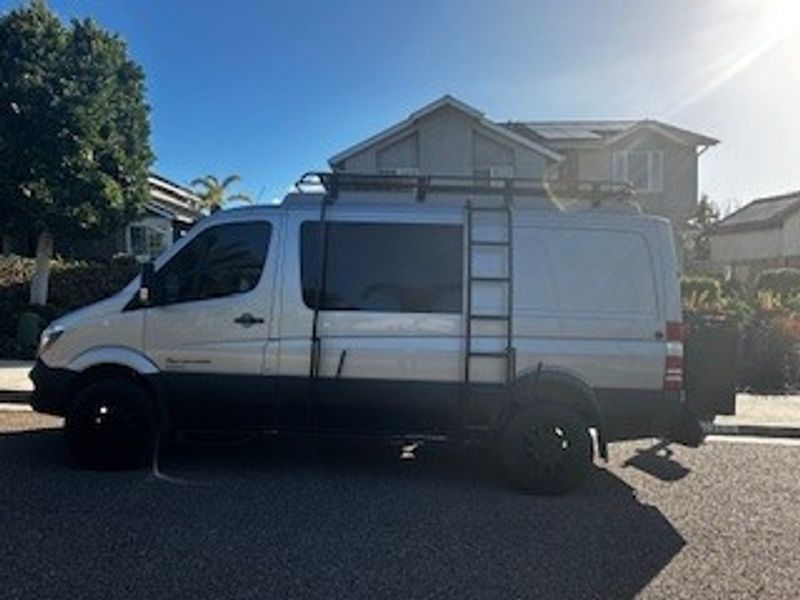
{"x": 247, "y": 320}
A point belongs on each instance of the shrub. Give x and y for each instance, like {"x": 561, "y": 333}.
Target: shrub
{"x": 769, "y": 361}
{"x": 767, "y": 320}
{"x": 72, "y": 284}
{"x": 701, "y": 294}
{"x": 782, "y": 284}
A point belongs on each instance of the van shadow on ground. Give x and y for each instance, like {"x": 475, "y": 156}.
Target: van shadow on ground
{"x": 268, "y": 520}
{"x": 659, "y": 462}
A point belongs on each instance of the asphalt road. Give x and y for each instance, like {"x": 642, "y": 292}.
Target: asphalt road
{"x": 267, "y": 521}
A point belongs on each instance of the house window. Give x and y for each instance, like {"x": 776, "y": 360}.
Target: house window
{"x": 384, "y": 267}
{"x": 644, "y": 169}
{"x": 147, "y": 240}
{"x": 492, "y": 175}
{"x": 399, "y": 171}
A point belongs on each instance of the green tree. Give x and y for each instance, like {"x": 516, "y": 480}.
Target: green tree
{"x": 214, "y": 192}
{"x": 74, "y": 132}
{"x": 701, "y": 225}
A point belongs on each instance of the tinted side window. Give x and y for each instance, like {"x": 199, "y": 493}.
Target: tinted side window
{"x": 393, "y": 267}
{"x": 222, "y": 260}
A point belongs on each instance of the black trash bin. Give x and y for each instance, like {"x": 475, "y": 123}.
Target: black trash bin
{"x": 710, "y": 364}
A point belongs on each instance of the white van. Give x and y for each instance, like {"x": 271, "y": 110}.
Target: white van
{"x": 363, "y": 311}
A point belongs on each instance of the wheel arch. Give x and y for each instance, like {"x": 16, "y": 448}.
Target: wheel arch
{"x": 113, "y": 355}
{"x": 563, "y": 387}
{"x": 120, "y": 363}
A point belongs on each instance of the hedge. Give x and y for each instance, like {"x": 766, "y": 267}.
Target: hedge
{"x": 782, "y": 283}
{"x": 72, "y": 284}
{"x": 701, "y": 294}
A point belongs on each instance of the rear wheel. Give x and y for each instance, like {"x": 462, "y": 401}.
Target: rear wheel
{"x": 112, "y": 424}
{"x": 546, "y": 449}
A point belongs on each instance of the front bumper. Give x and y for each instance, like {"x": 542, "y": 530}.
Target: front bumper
{"x": 51, "y": 388}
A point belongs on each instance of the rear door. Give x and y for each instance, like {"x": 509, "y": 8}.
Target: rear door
{"x": 588, "y": 300}
{"x": 210, "y": 327}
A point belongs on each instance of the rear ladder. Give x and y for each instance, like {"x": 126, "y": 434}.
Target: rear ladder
{"x": 502, "y": 281}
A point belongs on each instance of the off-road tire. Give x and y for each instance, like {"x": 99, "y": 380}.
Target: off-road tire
{"x": 112, "y": 424}
{"x": 546, "y": 449}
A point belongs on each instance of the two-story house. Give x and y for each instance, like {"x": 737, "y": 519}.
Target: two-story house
{"x": 448, "y": 137}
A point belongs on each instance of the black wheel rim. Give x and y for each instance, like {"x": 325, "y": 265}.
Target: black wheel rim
{"x": 114, "y": 419}
{"x": 548, "y": 445}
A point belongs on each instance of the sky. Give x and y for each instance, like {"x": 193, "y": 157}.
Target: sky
{"x": 270, "y": 89}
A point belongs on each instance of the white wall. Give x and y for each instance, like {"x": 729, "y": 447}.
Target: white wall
{"x": 744, "y": 246}
{"x": 791, "y": 236}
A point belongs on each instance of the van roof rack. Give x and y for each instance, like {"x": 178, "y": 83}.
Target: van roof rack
{"x": 421, "y": 185}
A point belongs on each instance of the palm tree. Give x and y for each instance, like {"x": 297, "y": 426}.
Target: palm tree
{"x": 214, "y": 193}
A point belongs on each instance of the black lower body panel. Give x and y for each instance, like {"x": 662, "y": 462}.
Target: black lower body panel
{"x": 357, "y": 406}
{"x": 51, "y": 391}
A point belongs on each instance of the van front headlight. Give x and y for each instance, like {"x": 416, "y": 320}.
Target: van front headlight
{"x": 49, "y": 337}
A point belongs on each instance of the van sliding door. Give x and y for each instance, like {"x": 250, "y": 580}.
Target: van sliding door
{"x": 389, "y": 325}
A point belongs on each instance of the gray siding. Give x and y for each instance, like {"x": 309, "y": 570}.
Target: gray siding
{"x": 403, "y": 153}
{"x": 447, "y": 142}
{"x": 678, "y": 198}
{"x": 679, "y": 195}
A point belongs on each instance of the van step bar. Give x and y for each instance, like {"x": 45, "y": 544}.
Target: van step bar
{"x": 488, "y": 209}
{"x": 490, "y": 317}
{"x": 499, "y": 243}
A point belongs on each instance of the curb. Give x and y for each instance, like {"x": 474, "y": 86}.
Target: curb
{"x": 777, "y": 431}
{"x": 15, "y": 407}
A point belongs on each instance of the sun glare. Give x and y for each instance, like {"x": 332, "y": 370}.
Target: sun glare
{"x": 775, "y": 22}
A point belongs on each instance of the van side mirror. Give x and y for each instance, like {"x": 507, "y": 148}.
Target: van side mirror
{"x": 146, "y": 283}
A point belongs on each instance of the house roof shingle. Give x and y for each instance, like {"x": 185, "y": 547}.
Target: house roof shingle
{"x": 172, "y": 199}
{"x": 566, "y": 132}
{"x": 764, "y": 213}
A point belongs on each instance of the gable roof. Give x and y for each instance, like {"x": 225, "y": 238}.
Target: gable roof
{"x": 446, "y": 101}
{"x": 564, "y": 133}
{"x": 764, "y": 213}
{"x": 172, "y": 200}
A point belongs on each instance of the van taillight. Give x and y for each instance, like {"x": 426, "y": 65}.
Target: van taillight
{"x": 673, "y": 362}
{"x": 675, "y": 331}
{"x": 673, "y": 373}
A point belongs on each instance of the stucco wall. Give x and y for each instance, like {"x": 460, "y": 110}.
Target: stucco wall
{"x": 744, "y": 246}
{"x": 780, "y": 245}
{"x": 791, "y": 236}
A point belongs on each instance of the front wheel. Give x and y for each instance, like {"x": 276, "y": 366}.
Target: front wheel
{"x": 112, "y": 424}
{"x": 546, "y": 449}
